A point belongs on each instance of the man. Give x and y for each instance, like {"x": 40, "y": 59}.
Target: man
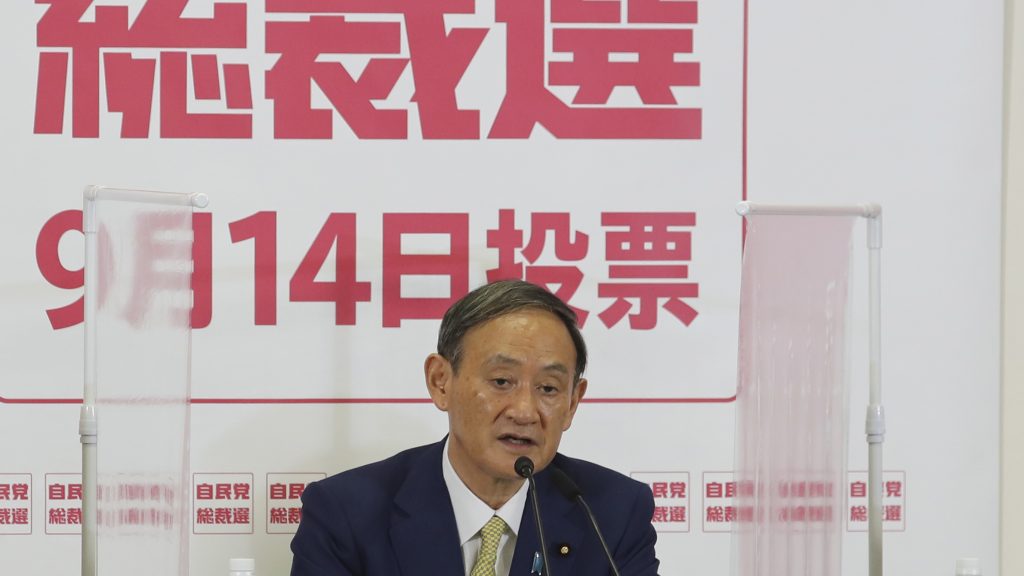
{"x": 508, "y": 371}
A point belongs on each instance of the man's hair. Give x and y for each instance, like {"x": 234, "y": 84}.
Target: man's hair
{"x": 497, "y": 299}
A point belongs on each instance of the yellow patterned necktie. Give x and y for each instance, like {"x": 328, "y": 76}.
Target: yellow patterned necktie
{"x": 491, "y": 534}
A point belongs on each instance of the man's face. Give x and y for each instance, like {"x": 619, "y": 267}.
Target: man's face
{"x": 513, "y": 395}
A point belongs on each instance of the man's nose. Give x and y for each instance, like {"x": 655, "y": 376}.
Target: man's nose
{"x": 522, "y": 407}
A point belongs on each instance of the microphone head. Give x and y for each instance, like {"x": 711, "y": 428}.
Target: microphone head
{"x": 524, "y": 466}
{"x": 565, "y": 485}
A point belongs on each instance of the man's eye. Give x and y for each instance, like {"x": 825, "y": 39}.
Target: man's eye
{"x": 549, "y": 389}
{"x": 501, "y": 382}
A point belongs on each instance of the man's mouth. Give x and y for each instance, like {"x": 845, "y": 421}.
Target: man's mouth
{"x": 516, "y": 440}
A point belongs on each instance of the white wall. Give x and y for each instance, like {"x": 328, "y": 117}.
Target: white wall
{"x": 1012, "y": 524}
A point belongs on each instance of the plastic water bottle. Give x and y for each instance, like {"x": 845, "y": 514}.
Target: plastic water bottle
{"x": 242, "y": 567}
{"x": 968, "y": 567}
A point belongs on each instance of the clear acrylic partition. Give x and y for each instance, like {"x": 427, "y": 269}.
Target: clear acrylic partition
{"x": 142, "y": 339}
{"x": 792, "y": 412}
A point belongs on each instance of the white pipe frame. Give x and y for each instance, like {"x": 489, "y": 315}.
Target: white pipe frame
{"x": 874, "y": 422}
{"x": 88, "y": 426}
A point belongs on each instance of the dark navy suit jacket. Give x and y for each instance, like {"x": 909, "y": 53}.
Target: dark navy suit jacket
{"x": 394, "y": 518}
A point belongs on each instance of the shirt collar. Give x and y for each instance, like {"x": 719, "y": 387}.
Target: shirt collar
{"x": 471, "y": 513}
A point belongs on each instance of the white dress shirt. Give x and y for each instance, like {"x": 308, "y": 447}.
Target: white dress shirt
{"x": 471, "y": 513}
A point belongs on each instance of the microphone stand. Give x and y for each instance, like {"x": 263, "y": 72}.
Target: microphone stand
{"x": 524, "y": 467}
{"x": 570, "y": 490}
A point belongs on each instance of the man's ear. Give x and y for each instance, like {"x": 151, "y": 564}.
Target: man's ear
{"x": 437, "y": 371}
{"x": 578, "y": 391}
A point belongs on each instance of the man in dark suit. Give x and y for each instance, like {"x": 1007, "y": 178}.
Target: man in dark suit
{"x": 508, "y": 372}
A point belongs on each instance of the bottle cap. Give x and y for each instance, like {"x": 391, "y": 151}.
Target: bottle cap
{"x": 968, "y": 567}
{"x": 242, "y": 564}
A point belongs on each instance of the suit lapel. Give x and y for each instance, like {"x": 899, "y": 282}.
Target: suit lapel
{"x": 424, "y": 536}
{"x": 560, "y": 529}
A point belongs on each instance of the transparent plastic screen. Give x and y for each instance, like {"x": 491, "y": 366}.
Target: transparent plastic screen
{"x": 143, "y": 301}
{"x": 792, "y": 401}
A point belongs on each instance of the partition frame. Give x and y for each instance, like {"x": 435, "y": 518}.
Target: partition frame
{"x": 874, "y": 421}
{"x": 88, "y": 418}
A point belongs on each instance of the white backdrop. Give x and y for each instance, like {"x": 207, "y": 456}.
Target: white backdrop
{"x": 898, "y": 104}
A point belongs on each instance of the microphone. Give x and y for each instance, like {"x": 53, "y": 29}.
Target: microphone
{"x": 524, "y": 468}
{"x": 570, "y": 490}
